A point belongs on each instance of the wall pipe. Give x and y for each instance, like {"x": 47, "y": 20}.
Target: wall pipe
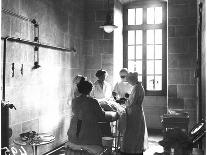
{"x": 13, "y": 39}
{"x": 4, "y": 108}
{"x": 6, "y": 11}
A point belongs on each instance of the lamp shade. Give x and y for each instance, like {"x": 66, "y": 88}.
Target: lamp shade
{"x": 108, "y": 28}
{"x": 108, "y": 25}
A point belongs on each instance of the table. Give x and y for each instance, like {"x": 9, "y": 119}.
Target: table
{"x": 41, "y": 139}
{"x": 175, "y": 121}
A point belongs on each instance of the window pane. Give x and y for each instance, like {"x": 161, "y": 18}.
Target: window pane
{"x": 150, "y": 82}
{"x": 138, "y": 52}
{"x": 131, "y": 16}
{"x": 139, "y": 17}
{"x": 150, "y": 51}
{"x": 131, "y": 66}
{"x": 138, "y": 36}
{"x": 140, "y": 78}
{"x": 158, "y": 82}
{"x": 139, "y": 67}
{"x": 150, "y": 15}
{"x": 150, "y": 67}
{"x": 150, "y": 36}
{"x": 158, "y": 51}
{"x": 158, "y": 66}
{"x": 158, "y": 36}
{"x": 131, "y": 53}
{"x": 131, "y": 37}
{"x": 158, "y": 15}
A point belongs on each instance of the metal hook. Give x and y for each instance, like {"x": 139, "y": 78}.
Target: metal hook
{"x": 13, "y": 69}
{"x": 21, "y": 70}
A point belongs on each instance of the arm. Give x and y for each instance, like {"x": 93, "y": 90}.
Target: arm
{"x": 98, "y": 111}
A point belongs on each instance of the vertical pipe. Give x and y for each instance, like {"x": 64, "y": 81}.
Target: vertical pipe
{"x": 4, "y": 109}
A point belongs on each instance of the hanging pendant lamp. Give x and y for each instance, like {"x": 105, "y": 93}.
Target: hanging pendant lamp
{"x": 108, "y": 25}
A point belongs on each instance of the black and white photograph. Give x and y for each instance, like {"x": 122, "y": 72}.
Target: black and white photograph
{"x": 103, "y": 77}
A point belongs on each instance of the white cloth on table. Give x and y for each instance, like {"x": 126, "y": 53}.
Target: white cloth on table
{"x": 111, "y": 105}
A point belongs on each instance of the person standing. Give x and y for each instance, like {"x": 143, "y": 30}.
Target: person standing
{"x": 135, "y": 138}
{"x": 101, "y": 88}
{"x": 122, "y": 88}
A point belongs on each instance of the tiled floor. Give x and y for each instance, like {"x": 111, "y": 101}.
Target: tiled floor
{"x": 154, "y": 138}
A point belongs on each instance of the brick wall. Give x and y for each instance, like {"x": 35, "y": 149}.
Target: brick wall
{"x": 40, "y": 95}
{"x": 182, "y": 49}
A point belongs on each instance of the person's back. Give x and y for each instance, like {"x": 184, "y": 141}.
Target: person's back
{"x": 89, "y": 112}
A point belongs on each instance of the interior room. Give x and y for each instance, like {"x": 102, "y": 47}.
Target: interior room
{"x": 46, "y": 43}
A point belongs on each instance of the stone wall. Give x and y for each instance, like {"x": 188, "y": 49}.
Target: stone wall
{"x": 98, "y": 45}
{"x": 40, "y": 95}
{"x": 182, "y": 50}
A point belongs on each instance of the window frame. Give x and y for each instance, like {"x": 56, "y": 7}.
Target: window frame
{"x": 145, "y": 27}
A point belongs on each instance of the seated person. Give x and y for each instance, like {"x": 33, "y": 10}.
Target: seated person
{"x": 84, "y": 128}
{"x": 122, "y": 89}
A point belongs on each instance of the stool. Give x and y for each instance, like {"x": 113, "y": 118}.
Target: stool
{"x": 116, "y": 135}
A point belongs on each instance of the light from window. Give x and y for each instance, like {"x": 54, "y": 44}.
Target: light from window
{"x": 145, "y": 45}
{"x": 154, "y": 59}
{"x": 131, "y": 53}
{"x": 158, "y": 82}
{"x": 138, "y": 36}
{"x": 139, "y": 67}
{"x": 158, "y": 36}
{"x": 140, "y": 78}
{"x": 131, "y": 66}
{"x": 150, "y": 16}
{"x": 154, "y": 15}
{"x": 150, "y": 36}
{"x": 131, "y": 37}
{"x": 138, "y": 52}
{"x": 158, "y": 51}
{"x": 150, "y": 67}
{"x": 131, "y": 16}
{"x": 158, "y": 15}
{"x": 158, "y": 66}
{"x": 135, "y": 16}
{"x": 139, "y": 14}
{"x": 150, "y": 51}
